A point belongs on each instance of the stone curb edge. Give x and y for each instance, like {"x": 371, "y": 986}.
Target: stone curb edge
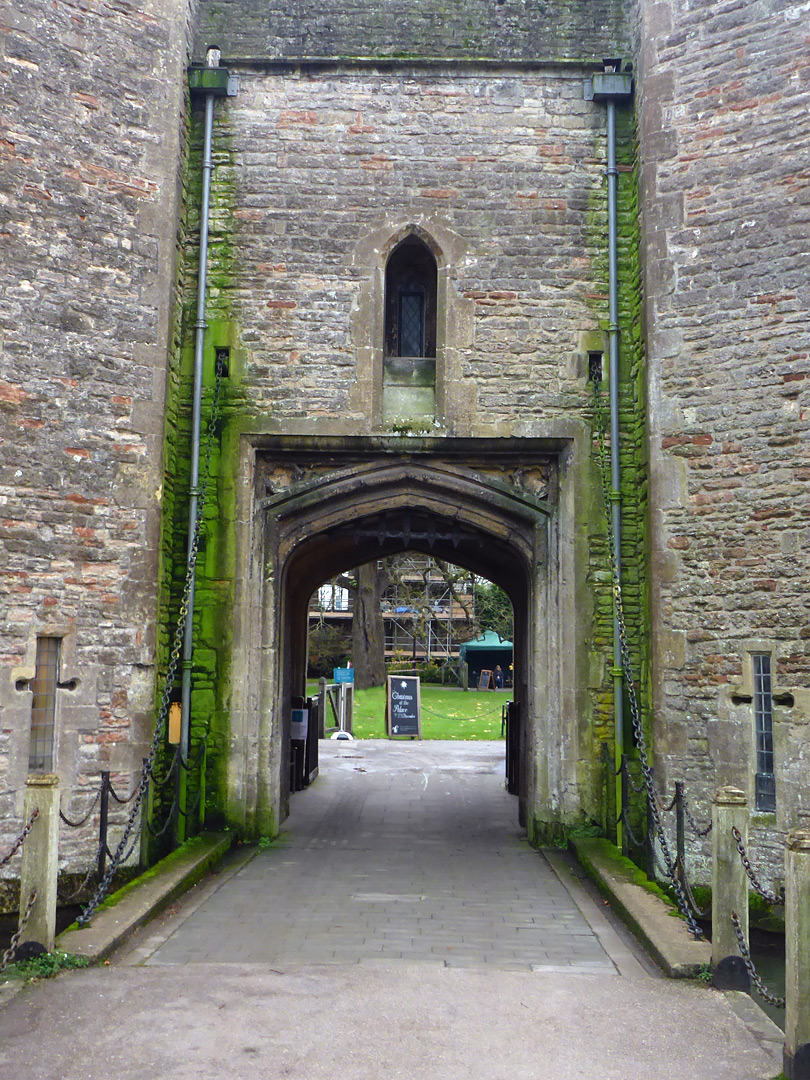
{"x": 142, "y": 900}
{"x": 646, "y": 915}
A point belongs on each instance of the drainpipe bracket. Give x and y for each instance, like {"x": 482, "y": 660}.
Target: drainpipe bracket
{"x": 617, "y": 673}
{"x": 615, "y": 496}
{"x": 612, "y": 86}
{"x": 216, "y": 81}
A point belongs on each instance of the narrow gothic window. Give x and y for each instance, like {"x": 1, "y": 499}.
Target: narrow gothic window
{"x": 409, "y": 362}
{"x": 410, "y": 300}
{"x": 763, "y": 720}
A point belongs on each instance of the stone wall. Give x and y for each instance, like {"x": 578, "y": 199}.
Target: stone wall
{"x": 505, "y": 173}
{"x": 316, "y": 176}
{"x": 724, "y": 102}
{"x": 90, "y": 139}
{"x": 444, "y": 29}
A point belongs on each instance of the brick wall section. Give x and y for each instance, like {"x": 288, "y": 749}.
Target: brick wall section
{"x": 89, "y": 140}
{"x": 725, "y": 130}
{"x": 452, "y": 29}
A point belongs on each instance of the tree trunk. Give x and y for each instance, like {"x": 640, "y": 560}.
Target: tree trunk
{"x": 368, "y": 631}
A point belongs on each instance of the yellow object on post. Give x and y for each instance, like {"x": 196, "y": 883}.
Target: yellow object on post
{"x": 175, "y": 722}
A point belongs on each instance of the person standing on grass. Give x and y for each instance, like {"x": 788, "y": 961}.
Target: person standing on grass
{"x": 498, "y": 677}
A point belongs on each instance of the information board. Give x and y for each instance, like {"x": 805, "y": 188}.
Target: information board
{"x": 343, "y": 674}
{"x": 300, "y": 723}
{"x": 486, "y": 680}
{"x": 403, "y": 707}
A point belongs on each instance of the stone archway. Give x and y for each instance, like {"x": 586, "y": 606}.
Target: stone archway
{"x": 323, "y": 506}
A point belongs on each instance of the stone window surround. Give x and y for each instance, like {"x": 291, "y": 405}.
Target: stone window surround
{"x": 455, "y": 402}
{"x": 742, "y": 696}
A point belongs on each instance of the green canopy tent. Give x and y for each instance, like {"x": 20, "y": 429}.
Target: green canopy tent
{"x": 484, "y": 653}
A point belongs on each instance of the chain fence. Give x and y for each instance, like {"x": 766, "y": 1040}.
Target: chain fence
{"x": 745, "y": 952}
{"x": 18, "y": 845}
{"x": 14, "y": 944}
{"x": 766, "y": 894}
{"x": 20, "y": 841}
{"x": 82, "y": 821}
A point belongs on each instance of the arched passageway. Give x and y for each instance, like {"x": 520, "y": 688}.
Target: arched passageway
{"x": 320, "y": 514}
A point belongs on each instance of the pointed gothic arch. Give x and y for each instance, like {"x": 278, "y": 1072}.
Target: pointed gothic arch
{"x": 321, "y": 509}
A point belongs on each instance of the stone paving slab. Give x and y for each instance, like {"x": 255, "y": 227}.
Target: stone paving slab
{"x": 345, "y": 1010}
{"x": 389, "y": 856}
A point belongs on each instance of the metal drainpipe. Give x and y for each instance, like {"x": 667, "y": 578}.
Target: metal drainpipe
{"x": 211, "y": 60}
{"x": 610, "y": 86}
{"x": 615, "y": 465}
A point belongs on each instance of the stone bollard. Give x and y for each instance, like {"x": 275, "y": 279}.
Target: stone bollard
{"x": 729, "y": 889}
{"x": 797, "y": 955}
{"x": 40, "y": 860}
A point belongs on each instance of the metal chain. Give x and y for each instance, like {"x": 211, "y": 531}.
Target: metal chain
{"x": 699, "y": 912}
{"x": 635, "y": 714}
{"x": 671, "y": 806}
{"x": 118, "y": 799}
{"x": 762, "y": 990}
{"x": 86, "y": 818}
{"x": 174, "y": 660}
{"x": 165, "y": 827}
{"x": 172, "y": 769}
{"x": 766, "y": 894}
{"x": 638, "y": 788}
{"x": 698, "y": 831}
{"x": 633, "y": 838}
{"x": 18, "y": 843}
{"x": 14, "y": 944}
{"x": 93, "y": 866}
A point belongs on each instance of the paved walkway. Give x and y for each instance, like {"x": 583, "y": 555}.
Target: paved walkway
{"x": 406, "y": 852}
{"x": 400, "y": 929}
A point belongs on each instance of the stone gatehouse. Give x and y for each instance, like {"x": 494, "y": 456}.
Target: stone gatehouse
{"x": 408, "y": 294}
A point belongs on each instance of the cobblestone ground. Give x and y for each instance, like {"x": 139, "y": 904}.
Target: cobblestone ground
{"x": 404, "y": 852}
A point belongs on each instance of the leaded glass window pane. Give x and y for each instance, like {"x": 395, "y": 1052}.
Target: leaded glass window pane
{"x": 43, "y": 708}
{"x": 763, "y": 726}
{"x": 411, "y": 324}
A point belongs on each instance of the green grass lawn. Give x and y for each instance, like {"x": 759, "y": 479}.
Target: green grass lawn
{"x": 446, "y": 714}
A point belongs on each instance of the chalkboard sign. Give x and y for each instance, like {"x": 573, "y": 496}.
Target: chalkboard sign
{"x": 403, "y": 707}
{"x": 486, "y": 680}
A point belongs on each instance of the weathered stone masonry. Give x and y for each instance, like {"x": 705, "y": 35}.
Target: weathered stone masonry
{"x": 89, "y": 138}
{"x": 724, "y": 100}
{"x": 353, "y": 123}
{"x": 506, "y": 170}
